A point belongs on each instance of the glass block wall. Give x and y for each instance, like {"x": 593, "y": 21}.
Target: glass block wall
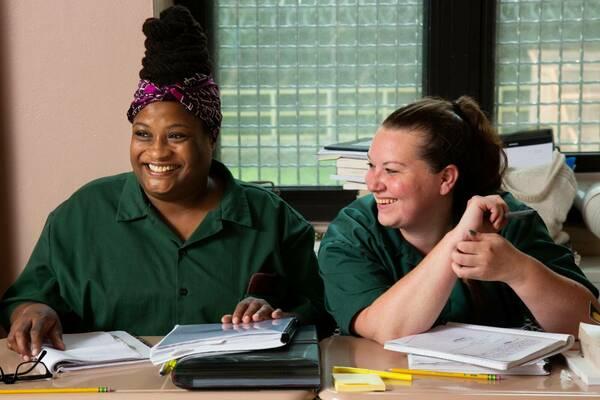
{"x": 548, "y": 69}
{"x": 297, "y": 75}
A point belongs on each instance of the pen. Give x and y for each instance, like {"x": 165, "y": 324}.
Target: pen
{"x": 383, "y": 374}
{"x": 167, "y": 367}
{"x": 487, "y": 377}
{"x": 519, "y": 214}
{"x": 101, "y": 389}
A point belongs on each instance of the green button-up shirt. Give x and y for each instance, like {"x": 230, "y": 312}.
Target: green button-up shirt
{"x": 360, "y": 259}
{"x": 106, "y": 260}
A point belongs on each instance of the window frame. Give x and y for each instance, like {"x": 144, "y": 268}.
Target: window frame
{"x": 459, "y": 38}
{"x": 459, "y": 50}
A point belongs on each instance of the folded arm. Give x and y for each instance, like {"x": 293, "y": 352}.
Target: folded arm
{"x": 557, "y": 303}
{"x": 424, "y": 291}
{"x": 413, "y": 303}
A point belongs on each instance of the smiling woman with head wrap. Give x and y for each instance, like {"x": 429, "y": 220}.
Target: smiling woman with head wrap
{"x": 178, "y": 240}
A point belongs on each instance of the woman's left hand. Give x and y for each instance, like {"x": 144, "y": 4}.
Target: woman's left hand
{"x": 483, "y": 214}
{"x": 486, "y": 257}
{"x": 253, "y": 309}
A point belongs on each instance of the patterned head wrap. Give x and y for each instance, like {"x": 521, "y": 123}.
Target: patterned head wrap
{"x": 199, "y": 95}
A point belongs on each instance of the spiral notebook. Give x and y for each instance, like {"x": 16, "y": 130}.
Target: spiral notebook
{"x": 485, "y": 346}
{"x": 94, "y": 350}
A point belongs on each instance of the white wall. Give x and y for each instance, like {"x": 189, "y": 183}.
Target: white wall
{"x": 68, "y": 70}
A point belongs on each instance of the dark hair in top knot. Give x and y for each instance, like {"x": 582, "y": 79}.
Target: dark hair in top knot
{"x": 176, "y": 47}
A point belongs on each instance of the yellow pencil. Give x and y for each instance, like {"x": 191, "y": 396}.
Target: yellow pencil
{"x": 383, "y": 374}
{"x": 167, "y": 367}
{"x": 487, "y": 377}
{"x": 101, "y": 389}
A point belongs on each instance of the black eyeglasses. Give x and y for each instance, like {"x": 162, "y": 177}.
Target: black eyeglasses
{"x": 23, "y": 371}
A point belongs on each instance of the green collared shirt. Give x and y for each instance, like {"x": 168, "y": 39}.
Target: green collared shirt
{"x": 106, "y": 260}
{"x": 359, "y": 259}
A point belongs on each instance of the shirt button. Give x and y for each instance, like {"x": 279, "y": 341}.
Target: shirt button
{"x": 183, "y": 291}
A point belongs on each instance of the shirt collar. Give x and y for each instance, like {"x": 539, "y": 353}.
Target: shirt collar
{"x": 133, "y": 203}
{"x": 400, "y": 248}
{"x": 233, "y": 207}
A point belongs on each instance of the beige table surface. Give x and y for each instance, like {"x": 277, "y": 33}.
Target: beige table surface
{"x": 140, "y": 381}
{"x": 355, "y": 352}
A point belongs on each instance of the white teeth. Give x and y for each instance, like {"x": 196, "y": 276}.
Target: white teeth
{"x": 161, "y": 168}
{"x": 385, "y": 201}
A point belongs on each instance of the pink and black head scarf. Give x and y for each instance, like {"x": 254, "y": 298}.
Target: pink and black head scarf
{"x": 199, "y": 94}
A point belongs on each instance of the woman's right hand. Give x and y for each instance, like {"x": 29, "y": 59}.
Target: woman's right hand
{"x": 252, "y": 309}
{"x": 31, "y": 323}
{"x": 484, "y": 214}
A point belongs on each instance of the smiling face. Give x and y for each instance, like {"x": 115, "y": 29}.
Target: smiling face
{"x": 409, "y": 195}
{"x": 170, "y": 152}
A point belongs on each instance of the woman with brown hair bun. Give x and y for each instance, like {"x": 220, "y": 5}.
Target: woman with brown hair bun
{"x": 433, "y": 242}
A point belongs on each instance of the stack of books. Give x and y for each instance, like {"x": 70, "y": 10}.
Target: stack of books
{"x": 481, "y": 349}
{"x": 257, "y": 355}
{"x": 293, "y": 366}
{"x": 350, "y": 162}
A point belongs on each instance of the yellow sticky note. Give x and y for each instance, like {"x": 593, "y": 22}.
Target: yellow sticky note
{"x": 358, "y": 383}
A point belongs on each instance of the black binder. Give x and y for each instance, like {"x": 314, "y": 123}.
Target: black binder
{"x": 293, "y": 366}
{"x": 527, "y": 138}
{"x": 360, "y": 145}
